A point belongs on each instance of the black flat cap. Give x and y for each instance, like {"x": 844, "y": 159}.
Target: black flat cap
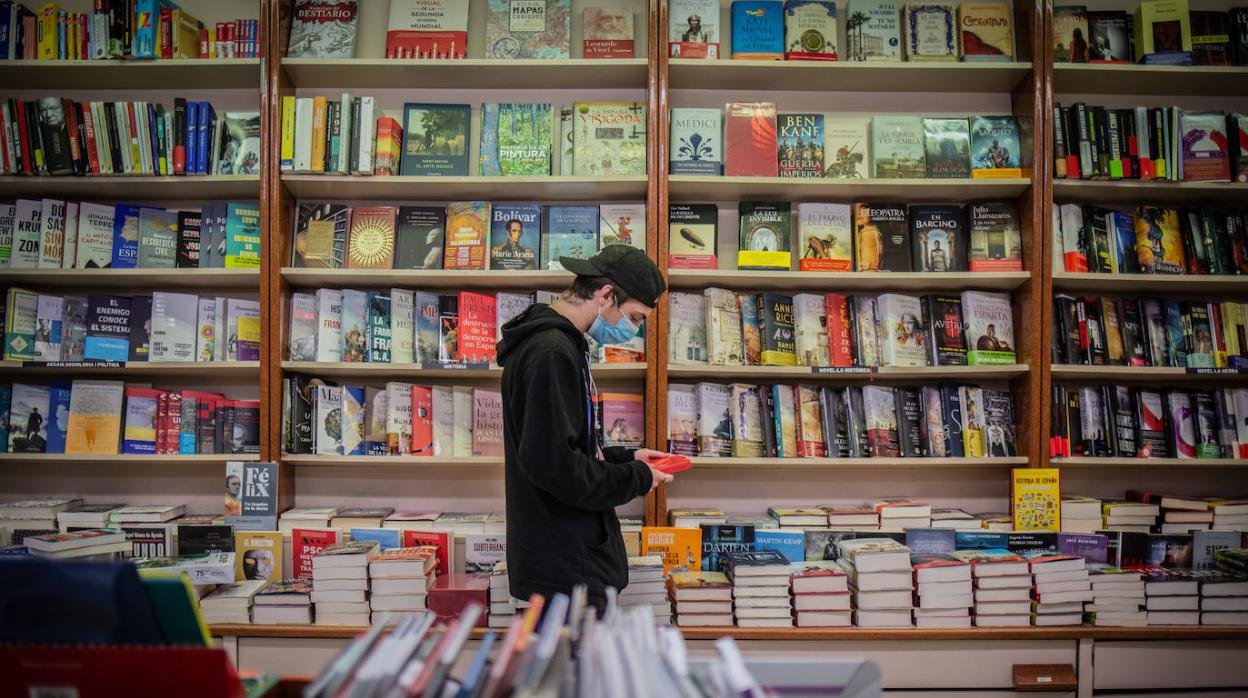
{"x": 628, "y": 268}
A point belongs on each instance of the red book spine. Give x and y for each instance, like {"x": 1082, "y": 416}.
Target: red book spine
{"x": 476, "y": 328}
{"x": 134, "y": 138}
{"x": 6, "y": 163}
{"x": 840, "y": 336}
{"x": 751, "y": 141}
{"x": 175, "y": 423}
{"x": 236, "y": 35}
{"x": 203, "y": 42}
{"x": 23, "y": 134}
{"x": 71, "y": 125}
{"x": 166, "y": 32}
{"x": 422, "y": 420}
{"x": 162, "y": 414}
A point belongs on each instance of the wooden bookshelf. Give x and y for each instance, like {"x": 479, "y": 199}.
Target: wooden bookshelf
{"x": 414, "y": 462}
{"x": 1134, "y": 192}
{"x": 125, "y": 459}
{"x": 466, "y": 74}
{"x": 157, "y": 279}
{"x": 1168, "y": 284}
{"x": 1177, "y": 464}
{"x": 181, "y": 370}
{"x": 1153, "y": 374}
{"x": 712, "y": 463}
{"x": 140, "y": 188}
{"x": 1157, "y": 80}
{"x": 697, "y": 188}
{"x": 187, "y": 74}
{"x": 380, "y": 371}
{"x": 441, "y": 279}
{"x": 808, "y": 373}
{"x": 546, "y": 188}
{"x": 795, "y": 281}
{"x": 845, "y": 76}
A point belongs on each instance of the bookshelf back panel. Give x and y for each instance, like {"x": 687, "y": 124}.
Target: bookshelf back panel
{"x": 853, "y": 103}
{"x": 209, "y": 12}
{"x": 197, "y": 485}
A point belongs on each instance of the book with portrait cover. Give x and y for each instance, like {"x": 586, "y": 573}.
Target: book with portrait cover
{"x": 419, "y": 238}
{"x": 519, "y": 29}
{"x": 766, "y": 236}
{"x": 321, "y": 235}
{"x": 692, "y": 236}
{"x": 693, "y": 29}
{"x": 938, "y": 234}
{"x": 999, "y": 424}
{"x": 989, "y": 323}
{"x": 435, "y": 140}
{"x": 826, "y": 237}
{"x": 903, "y": 339}
{"x": 608, "y": 32}
{"x": 810, "y": 438}
{"x": 800, "y": 145}
{"x": 371, "y": 241}
{"x": 515, "y": 233}
{"x": 881, "y": 238}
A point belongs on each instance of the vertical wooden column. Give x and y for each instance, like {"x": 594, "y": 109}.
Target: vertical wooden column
{"x": 1043, "y": 223}
{"x": 656, "y": 358}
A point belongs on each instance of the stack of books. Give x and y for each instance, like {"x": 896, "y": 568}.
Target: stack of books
{"x": 1002, "y": 587}
{"x": 283, "y": 602}
{"x": 821, "y": 596}
{"x": 943, "y": 589}
{"x": 1061, "y": 588}
{"x": 862, "y": 517}
{"x": 502, "y": 606}
{"x": 400, "y": 578}
{"x": 31, "y": 517}
{"x": 1117, "y": 598}
{"x": 231, "y": 603}
{"x": 881, "y": 579}
{"x": 897, "y": 513}
{"x": 1172, "y": 596}
{"x": 956, "y": 519}
{"x": 1178, "y": 514}
{"x": 760, "y": 588}
{"x": 700, "y": 598}
{"x": 1081, "y": 514}
{"x": 102, "y": 543}
{"x": 340, "y": 583}
{"x": 1223, "y": 597}
{"x": 1130, "y": 516}
{"x": 306, "y": 517}
{"x": 82, "y": 516}
{"x": 1229, "y": 514}
{"x": 646, "y": 587}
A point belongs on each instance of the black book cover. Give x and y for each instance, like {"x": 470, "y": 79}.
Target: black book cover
{"x": 421, "y": 234}
{"x": 188, "y": 239}
{"x": 1030, "y": 541}
{"x": 851, "y": 302}
{"x": 301, "y": 428}
{"x": 720, "y": 540}
{"x": 1067, "y": 312}
{"x": 909, "y": 422}
{"x": 1211, "y": 37}
{"x": 938, "y": 235}
{"x": 246, "y": 428}
{"x": 768, "y": 400}
{"x": 1102, "y": 142}
{"x": 881, "y": 238}
{"x": 1224, "y": 411}
{"x": 1195, "y": 252}
{"x": 1057, "y": 425}
{"x": 114, "y": 137}
{"x": 1237, "y": 20}
{"x": 1237, "y": 229}
{"x": 1130, "y": 144}
{"x": 333, "y": 132}
{"x": 1111, "y": 38}
{"x": 1218, "y": 240}
{"x": 1092, "y": 423}
{"x": 225, "y": 427}
{"x": 999, "y": 431}
{"x": 54, "y": 132}
{"x": 1113, "y": 137}
{"x": 19, "y": 162}
{"x": 835, "y": 420}
{"x": 35, "y": 130}
{"x": 1152, "y": 418}
{"x": 1082, "y": 127}
{"x": 856, "y": 422}
{"x": 1208, "y": 443}
{"x": 1121, "y": 404}
{"x": 448, "y": 329}
{"x": 942, "y": 316}
{"x": 951, "y": 408}
{"x": 140, "y": 327}
{"x": 776, "y": 318}
{"x": 355, "y": 136}
{"x": 1091, "y": 332}
{"x": 1096, "y": 227}
{"x": 200, "y": 539}
{"x": 1074, "y": 423}
{"x": 1134, "y": 343}
{"x": 108, "y": 327}
{"x": 82, "y": 163}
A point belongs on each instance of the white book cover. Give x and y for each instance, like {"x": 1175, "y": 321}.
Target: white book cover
{"x": 868, "y": 339}
{"x": 506, "y": 307}
{"x": 682, "y": 419}
{"x": 7, "y": 214}
{"x": 714, "y": 419}
{"x": 353, "y": 420}
{"x": 622, "y": 224}
{"x": 402, "y": 326}
{"x": 27, "y": 232}
{"x": 303, "y": 134}
{"x": 428, "y": 15}
{"x": 236, "y": 308}
{"x": 902, "y": 339}
{"x": 399, "y": 417}
{"x": 302, "y": 327}
{"x": 354, "y": 325}
{"x": 69, "y": 251}
{"x": 218, "y": 331}
{"x": 174, "y": 326}
{"x": 329, "y": 325}
{"x": 328, "y": 420}
{"x": 205, "y": 336}
{"x": 847, "y": 146}
{"x": 48, "y": 328}
{"x": 463, "y": 422}
{"x": 686, "y": 342}
{"x": 51, "y": 233}
{"x": 368, "y": 111}
{"x": 95, "y": 236}
{"x": 810, "y": 317}
{"x": 483, "y": 551}
{"x": 443, "y": 421}
{"x": 697, "y": 141}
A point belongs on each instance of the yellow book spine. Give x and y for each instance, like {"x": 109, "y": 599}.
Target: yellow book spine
{"x": 212, "y": 43}
{"x": 46, "y": 32}
{"x": 288, "y": 133}
{"x": 318, "y": 134}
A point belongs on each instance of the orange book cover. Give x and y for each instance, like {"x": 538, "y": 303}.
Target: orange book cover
{"x": 389, "y": 146}
{"x": 422, "y": 420}
{"x": 319, "y": 113}
{"x": 679, "y": 547}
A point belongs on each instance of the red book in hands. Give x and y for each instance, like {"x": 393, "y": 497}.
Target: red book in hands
{"x": 671, "y": 465}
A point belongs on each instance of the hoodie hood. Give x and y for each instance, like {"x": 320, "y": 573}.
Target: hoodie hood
{"x": 538, "y": 317}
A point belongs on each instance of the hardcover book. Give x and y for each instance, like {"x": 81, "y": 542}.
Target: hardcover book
{"x": 986, "y": 31}
{"x": 687, "y": 337}
{"x": 435, "y": 140}
{"x": 1036, "y": 499}
{"x": 609, "y": 139}
{"x": 897, "y": 147}
{"x": 810, "y": 30}
{"x": 766, "y": 234}
{"x": 947, "y": 148}
{"x": 608, "y": 32}
{"x": 568, "y": 231}
{"x": 693, "y": 29}
{"x": 995, "y": 237}
{"x": 989, "y": 323}
{"x": 622, "y": 224}
{"x": 757, "y": 30}
{"x": 1111, "y": 37}
{"x": 723, "y": 327}
{"x": 1158, "y": 240}
{"x": 931, "y": 32}
{"x": 697, "y": 141}
{"x": 750, "y": 140}
{"x": 746, "y": 408}
{"x": 942, "y": 316}
{"x": 826, "y": 237}
{"x": 714, "y": 420}
{"x": 810, "y": 321}
{"x": 108, "y": 328}
{"x": 938, "y": 234}
{"x": 420, "y": 237}
{"x": 436, "y": 29}
{"x": 520, "y": 29}
{"x": 847, "y": 146}
{"x": 875, "y": 32}
{"x": 692, "y": 238}
{"x": 371, "y": 242}
{"x": 1070, "y": 34}
{"x": 515, "y": 232}
{"x": 515, "y": 139}
{"x": 1203, "y": 147}
{"x": 995, "y": 147}
{"x": 881, "y": 238}
{"x": 321, "y": 235}
{"x": 779, "y": 337}
{"x": 903, "y": 339}
{"x": 466, "y": 234}
{"x": 880, "y": 413}
{"x": 323, "y": 29}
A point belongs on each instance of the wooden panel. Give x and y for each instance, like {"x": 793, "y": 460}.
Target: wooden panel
{"x": 656, "y": 502}
{"x": 467, "y": 74}
{"x": 159, "y": 279}
{"x": 1154, "y": 665}
{"x": 927, "y": 282}
{"x": 136, "y": 188}
{"x": 218, "y": 73}
{"x": 1160, "y": 80}
{"x": 697, "y": 74}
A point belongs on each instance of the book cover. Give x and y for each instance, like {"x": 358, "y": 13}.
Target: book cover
{"x": 714, "y": 420}
{"x": 847, "y": 146}
{"x": 810, "y": 32}
{"x": 242, "y": 236}
{"x": 307, "y": 543}
{"x": 125, "y": 236}
{"x": 321, "y": 235}
{"x": 986, "y": 32}
{"x": 692, "y": 239}
{"x": 622, "y": 224}
{"x": 750, "y": 136}
{"x": 623, "y": 419}
{"x": 897, "y": 147}
{"x": 328, "y": 418}
{"x": 746, "y": 408}
{"x": 258, "y": 555}
{"x": 379, "y": 337}
{"x": 516, "y": 139}
{"x": 515, "y": 232}
{"x": 353, "y": 417}
{"x": 174, "y": 326}
{"x": 972, "y": 411}
{"x": 139, "y": 433}
{"x": 329, "y": 327}
{"x": 108, "y": 328}
{"x": 989, "y": 323}
{"x": 28, "y": 415}
{"x": 609, "y": 139}
{"x": 696, "y": 141}
{"x": 757, "y": 30}
{"x": 189, "y": 239}
{"x": 466, "y": 234}
{"x": 995, "y": 238}
{"x": 874, "y": 34}
{"x": 903, "y": 339}
{"x": 938, "y": 234}
{"x": 723, "y": 327}
{"x": 448, "y": 329}
{"x": 487, "y": 423}
{"x": 607, "y": 32}
{"x": 999, "y": 424}
{"x": 73, "y": 328}
{"x": 995, "y": 146}
{"x": 419, "y": 238}
{"x": 436, "y": 29}
{"x": 880, "y": 413}
{"x": 931, "y": 32}
{"x": 1203, "y": 147}
{"x": 21, "y": 318}
{"x": 766, "y": 236}
{"x": 864, "y": 319}
{"x": 682, "y": 420}
{"x": 303, "y": 327}
{"x": 680, "y": 548}
{"x": 841, "y": 338}
{"x": 826, "y": 237}
{"x": 881, "y": 238}
{"x": 48, "y": 328}
{"x": 810, "y": 437}
{"x": 323, "y": 29}
{"x": 810, "y": 321}
{"x": 476, "y": 331}
{"x": 51, "y": 234}
{"x": 1035, "y": 497}
{"x": 568, "y": 231}
{"x": 435, "y": 140}
{"x": 776, "y": 320}
{"x": 719, "y": 540}
{"x": 947, "y": 148}
{"x": 399, "y": 418}
{"x": 800, "y": 145}
{"x": 370, "y": 243}
{"x": 94, "y": 421}
{"x": 1111, "y": 37}
{"x": 140, "y": 327}
{"x": 693, "y": 29}
{"x": 1163, "y": 32}
{"x": 1070, "y": 34}
{"x": 942, "y": 316}
{"x": 95, "y": 236}
{"x": 687, "y": 336}
{"x": 354, "y": 326}
{"x": 1158, "y": 240}
{"x": 524, "y": 29}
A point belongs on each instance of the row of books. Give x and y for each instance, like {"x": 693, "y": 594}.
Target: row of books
{"x": 775, "y": 30}
{"x": 58, "y": 234}
{"x": 1155, "y": 240}
{"x": 420, "y": 420}
{"x": 750, "y": 139}
{"x": 120, "y": 29}
{"x": 1211, "y": 522}
{"x": 1099, "y": 331}
{"x": 351, "y": 136}
{"x": 93, "y": 417}
{"x": 98, "y": 327}
{"x": 417, "y": 327}
{"x": 725, "y": 328}
{"x": 439, "y": 29}
{"x": 1125, "y": 422}
{"x": 1159, "y": 32}
{"x": 1149, "y": 143}
{"x": 55, "y": 136}
{"x": 802, "y": 421}
{"x": 484, "y": 235}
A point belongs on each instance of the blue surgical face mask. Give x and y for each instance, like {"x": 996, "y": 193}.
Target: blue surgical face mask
{"x": 618, "y": 332}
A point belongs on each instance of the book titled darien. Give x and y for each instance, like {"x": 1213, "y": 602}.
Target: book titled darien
{"x": 528, "y": 29}
{"x": 810, "y": 30}
{"x": 515, "y": 233}
{"x": 610, "y": 139}
{"x": 436, "y": 29}
{"x": 826, "y": 237}
{"x": 757, "y": 30}
{"x": 1035, "y": 495}
{"x": 750, "y": 137}
{"x": 989, "y": 323}
{"x": 800, "y": 145}
{"x": 608, "y": 32}
{"x": 995, "y": 147}
{"x": 693, "y": 29}
{"x": 1204, "y": 156}
{"x": 986, "y": 32}
{"x": 766, "y": 235}
{"x": 323, "y": 29}
{"x": 692, "y": 236}
{"x": 515, "y": 139}
{"x": 995, "y": 241}
{"x": 930, "y": 32}
{"x": 466, "y": 234}
{"x": 875, "y": 34}
{"x": 897, "y": 147}
{"x": 421, "y": 232}
{"x": 435, "y": 139}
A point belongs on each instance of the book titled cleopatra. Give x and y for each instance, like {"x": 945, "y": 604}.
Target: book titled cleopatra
{"x": 766, "y": 232}
{"x": 371, "y": 241}
{"x": 750, "y": 139}
{"x": 1036, "y": 499}
{"x": 881, "y": 238}
{"x": 692, "y": 230}
{"x": 467, "y": 225}
{"x": 985, "y": 31}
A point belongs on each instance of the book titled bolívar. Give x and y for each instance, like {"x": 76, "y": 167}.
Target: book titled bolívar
{"x": 995, "y": 147}
{"x": 931, "y": 32}
{"x": 323, "y": 29}
{"x": 897, "y": 147}
{"x": 435, "y": 140}
{"x": 608, "y": 32}
{"x": 429, "y": 29}
{"x": 525, "y": 29}
{"x": 610, "y": 139}
{"x": 757, "y": 30}
{"x": 766, "y": 233}
{"x": 881, "y": 238}
{"x": 989, "y": 323}
{"x": 800, "y": 145}
{"x": 750, "y": 140}
{"x": 693, "y": 29}
{"x": 692, "y": 236}
{"x": 876, "y": 35}
{"x": 697, "y": 141}
{"x": 810, "y": 30}
{"x": 986, "y": 32}
{"x": 826, "y": 237}
{"x": 467, "y": 234}
{"x": 515, "y": 233}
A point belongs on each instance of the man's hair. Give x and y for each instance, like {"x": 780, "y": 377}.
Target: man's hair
{"x": 584, "y": 288}
{"x": 517, "y": 221}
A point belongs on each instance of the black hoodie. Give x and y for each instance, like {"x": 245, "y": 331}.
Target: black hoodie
{"x": 561, "y": 494}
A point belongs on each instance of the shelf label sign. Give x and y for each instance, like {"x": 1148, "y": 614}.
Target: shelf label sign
{"x": 840, "y": 370}
{"x": 1217, "y": 371}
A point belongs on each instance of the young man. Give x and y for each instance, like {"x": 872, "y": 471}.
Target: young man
{"x": 562, "y": 486}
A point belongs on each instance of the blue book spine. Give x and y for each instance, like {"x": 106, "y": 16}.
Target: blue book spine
{"x": 931, "y": 540}
{"x": 58, "y": 421}
{"x": 490, "y": 166}
{"x": 779, "y": 423}
{"x": 952, "y": 407}
{"x": 192, "y": 128}
{"x": 147, "y": 16}
{"x": 207, "y": 119}
{"x": 758, "y": 29}
{"x": 126, "y": 237}
{"x": 6, "y": 30}
{"x": 387, "y": 538}
{"x": 790, "y": 544}
{"x": 60, "y": 38}
{"x": 6, "y": 400}
{"x": 980, "y": 540}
